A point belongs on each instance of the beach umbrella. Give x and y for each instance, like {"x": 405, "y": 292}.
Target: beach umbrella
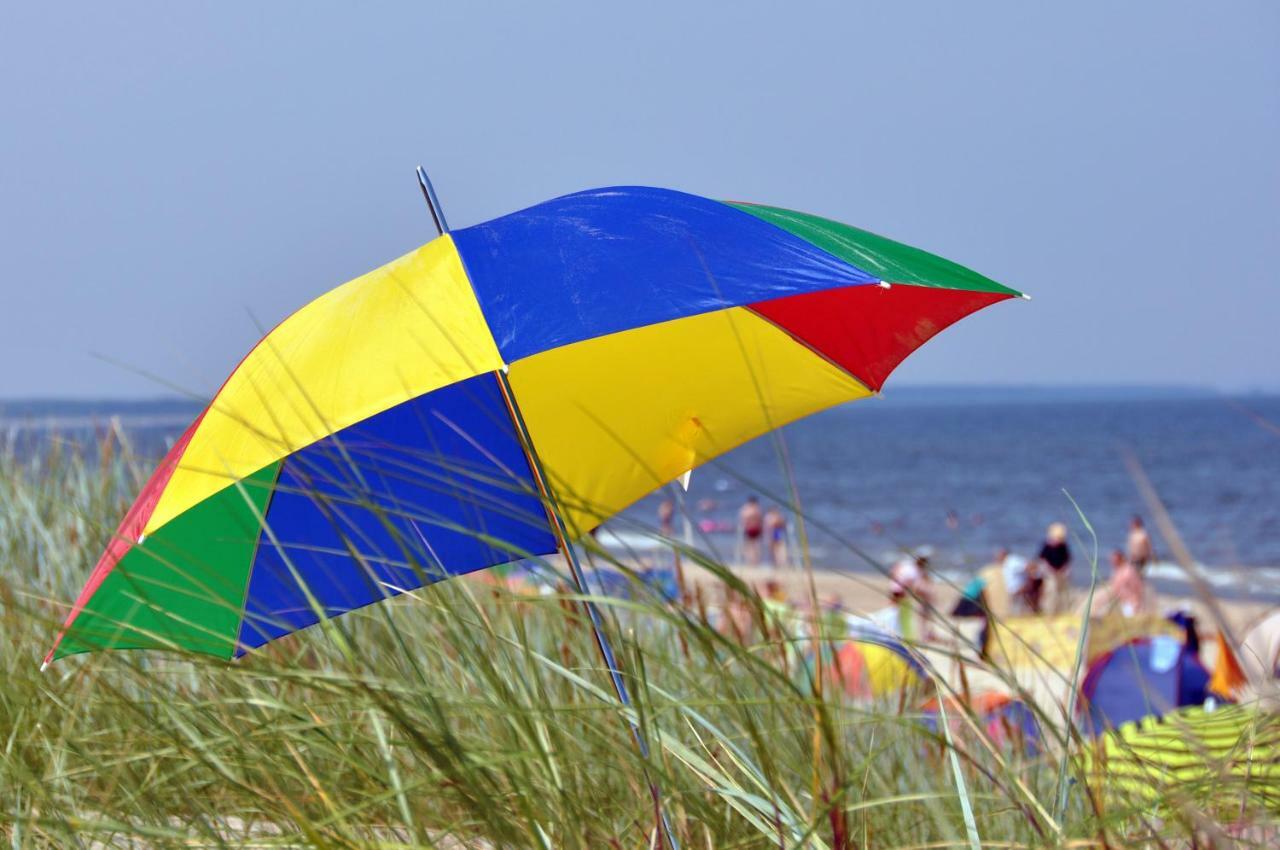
{"x": 496, "y": 394}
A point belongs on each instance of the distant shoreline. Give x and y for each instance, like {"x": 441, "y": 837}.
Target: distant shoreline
{"x": 86, "y": 412}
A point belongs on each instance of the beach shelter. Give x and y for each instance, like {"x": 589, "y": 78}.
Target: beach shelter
{"x": 1146, "y": 677}
{"x": 875, "y": 664}
{"x": 496, "y": 394}
{"x": 1228, "y": 677}
{"x": 1008, "y": 722}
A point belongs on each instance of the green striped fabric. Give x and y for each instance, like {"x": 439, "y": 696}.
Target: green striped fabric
{"x": 1219, "y": 758}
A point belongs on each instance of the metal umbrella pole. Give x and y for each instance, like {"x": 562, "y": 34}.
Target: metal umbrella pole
{"x": 556, "y": 516}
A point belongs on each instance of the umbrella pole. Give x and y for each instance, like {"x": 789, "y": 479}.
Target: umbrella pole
{"x": 433, "y": 203}
{"x": 562, "y": 541}
{"x": 580, "y": 581}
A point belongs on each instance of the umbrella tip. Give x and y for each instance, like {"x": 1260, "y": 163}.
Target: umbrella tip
{"x": 1025, "y": 296}
{"x": 44, "y": 665}
{"x": 884, "y": 284}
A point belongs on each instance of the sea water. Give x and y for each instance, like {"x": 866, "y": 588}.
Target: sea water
{"x": 960, "y": 473}
{"x": 962, "y": 478}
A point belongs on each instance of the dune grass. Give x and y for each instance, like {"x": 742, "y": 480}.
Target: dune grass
{"x": 468, "y": 715}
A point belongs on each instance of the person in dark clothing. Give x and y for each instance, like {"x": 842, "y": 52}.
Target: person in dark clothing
{"x": 1056, "y": 556}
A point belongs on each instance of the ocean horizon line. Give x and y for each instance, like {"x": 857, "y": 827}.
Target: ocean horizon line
{"x": 958, "y": 393}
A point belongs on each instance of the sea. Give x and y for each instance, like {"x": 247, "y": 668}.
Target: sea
{"x": 953, "y": 472}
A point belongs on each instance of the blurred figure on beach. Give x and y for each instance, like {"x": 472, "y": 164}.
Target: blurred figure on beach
{"x": 667, "y": 526}
{"x": 775, "y": 530}
{"x": 1260, "y": 652}
{"x": 1138, "y": 545}
{"x": 1009, "y": 586}
{"x": 666, "y": 518}
{"x": 736, "y": 619}
{"x": 750, "y": 529}
{"x": 1055, "y": 556}
{"x": 777, "y": 608}
{"x": 1127, "y": 592}
{"x": 1024, "y": 583}
{"x": 909, "y": 614}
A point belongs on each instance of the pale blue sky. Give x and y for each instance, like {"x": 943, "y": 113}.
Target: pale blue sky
{"x": 168, "y": 170}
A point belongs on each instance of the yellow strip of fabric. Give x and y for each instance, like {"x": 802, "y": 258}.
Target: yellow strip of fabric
{"x": 407, "y": 328}
{"x": 1219, "y": 754}
{"x": 615, "y": 417}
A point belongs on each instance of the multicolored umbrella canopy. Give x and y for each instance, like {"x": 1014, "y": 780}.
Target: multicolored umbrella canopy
{"x": 369, "y": 443}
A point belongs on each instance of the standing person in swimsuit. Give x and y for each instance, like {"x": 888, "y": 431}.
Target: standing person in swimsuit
{"x": 751, "y": 527}
{"x": 775, "y": 528}
{"x": 1138, "y": 546}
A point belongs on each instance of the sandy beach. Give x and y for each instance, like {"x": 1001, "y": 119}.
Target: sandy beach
{"x": 861, "y": 593}
{"x": 1047, "y": 684}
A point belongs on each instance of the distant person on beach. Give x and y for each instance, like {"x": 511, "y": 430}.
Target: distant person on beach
{"x": 775, "y": 529}
{"x": 1010, "y": 586}
{"x": 1055, "y": 555}
{"x": 1025, "y": 582}
{"x": 667, "y": 525}
{"x": 751, "y": 527}
{"x": 736, "y": 620}
{"x": 666, "y": 518}
{"x": 1138, "y": 545}
{"x": 911, "y": 596}
{"x": 1127, "y": 593}
{"x": 1260, "y": 651}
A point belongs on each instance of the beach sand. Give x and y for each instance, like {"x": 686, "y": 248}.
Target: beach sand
{"x": 861, "y": 593}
